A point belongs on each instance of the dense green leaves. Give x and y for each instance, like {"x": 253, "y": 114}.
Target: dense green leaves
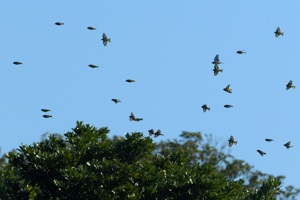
{"x": 86, "y": 164}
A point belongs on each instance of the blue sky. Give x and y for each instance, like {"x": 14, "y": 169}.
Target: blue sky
{"x": 167, "y": 47}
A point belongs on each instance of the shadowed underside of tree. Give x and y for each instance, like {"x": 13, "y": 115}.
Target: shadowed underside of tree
{"x": 86, "y": 164}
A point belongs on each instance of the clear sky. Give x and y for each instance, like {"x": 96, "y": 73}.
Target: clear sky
{"x": 167, "y": 47}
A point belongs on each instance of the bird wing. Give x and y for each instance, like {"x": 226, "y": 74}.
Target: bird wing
{"x": 278, "y": 30}
{"x": 132, "y": 115}
{"x": 216, "y": 58}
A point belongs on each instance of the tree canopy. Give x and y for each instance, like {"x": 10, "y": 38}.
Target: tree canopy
{"x": 87, "y": 164}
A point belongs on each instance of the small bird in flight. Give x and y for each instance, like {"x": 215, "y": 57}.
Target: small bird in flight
{"x": 91, "y": 28}
{"x": 290, "y": 85}
{"x": 105, "y": 39}
{"x": 261, "y": 152}
{"x": 241, "y": 52}
{"x": 288, "y": 145}
{"x": 205, "y": 107}
{"x": 269, "y": 140}
{"x": 278, "y": 32}
{"x": 157, "y": 133}
{"x": 228, "y": 89}
{"x": 216, "y": 60}
{"x": 93, "y": 66}
{"x": 47, "y": 116}
{"x": 130, "y": 81}
{"x": 17, "y": 63}
{"x": 116, "y": 100}
{"x": 59, "y": 23}
{"x": 228, "y": 106}
{"x": 151, "y": 132}
{"x": 131, "y": 117}
{"x": 232, "y": 141}
{"x": 45, "y": 110}
{"x": 216, "y": 70}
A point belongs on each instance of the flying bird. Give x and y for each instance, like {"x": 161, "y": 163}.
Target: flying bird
{"x": 17, "y": 63}
{"x": 130, "y": 81}
{"x": 288, "y": 145}
{"x": 232, "y": 141}
{"x": 228, "y": 89}
{"x": 138, "y": 119}
{"x": 105, "y": 39}
{"x": 269, "y": 140}
{"x": 290, "y": 85}
{"x": 151, "y": 132}
{"x": 205, "y": 107}
{"x": 216, "y": 70}
{"x": 45, "y": 110}
{"x": 228, "y": 106}
{"x": 261, "y": 152}
{"x": 93, "y": 66}
{"x": 278, "y": 32}
{"x": 131, "y": 117}
{"x": 241, "y": 52}
{"x": 59, "y": 23}
{"x": 116, "y": 100}
{"x": 157, "y": 133}
{"x": 91, "y": 28}
{"x": 216, "y": 60}
{"x": 47, "y": 116}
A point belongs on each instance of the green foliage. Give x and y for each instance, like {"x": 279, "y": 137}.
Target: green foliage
{"x": 86, "y": 164}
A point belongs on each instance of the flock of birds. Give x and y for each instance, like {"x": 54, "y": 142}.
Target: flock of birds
{"x": 105, "y": 41}
{"x": 227, "y": 89}
{"x": 216, "y": 70}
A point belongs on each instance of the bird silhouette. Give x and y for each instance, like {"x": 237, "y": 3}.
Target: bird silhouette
{"x": 130, "y": 81}
{"x": 261, "y": 152}
{"x": 269, "y": 140}
{"x": 216, "y": 60}
{"x": 105, "y": 39}
{"x": 157, "y": 133}
{"x": 278, "y": 32}
{"x": 205, "y": 107}
{"x": 91, "y": 28}
{"x": 59, "y": 23}
{"x": 151, "y": 132}
{"x": 45, "y": 110}
{"x": 116, "y": 100}
{"x": 228, "y": 89}
{"x": 290, "y": 85}
{"x": 138, "y": 119}
{"x": 216, "y": 70}
{"x": 241, "y": 52}
{"x": 93, "y": 66}
{"x": 232, "y": 141}
{"x": 228, "y": 106}
{"x": 47, "y": 116}
{"x": 17, "y": 63}
{"x": 288, "y": 145}
{"x": 131, "y": 117}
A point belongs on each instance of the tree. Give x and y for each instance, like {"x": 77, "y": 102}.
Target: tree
{"x": 86, "y": 164}
{"x": 211, "y": 151}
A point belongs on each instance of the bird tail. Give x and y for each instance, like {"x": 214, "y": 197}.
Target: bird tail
{"x": 208, "y": 109}
{"x": 293, "y": 86}
{"x": 235, "y": 142}
{"x": 221, "y": 70}
{"x": 108, "y": 39}
{"x": 282, "y": 33}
